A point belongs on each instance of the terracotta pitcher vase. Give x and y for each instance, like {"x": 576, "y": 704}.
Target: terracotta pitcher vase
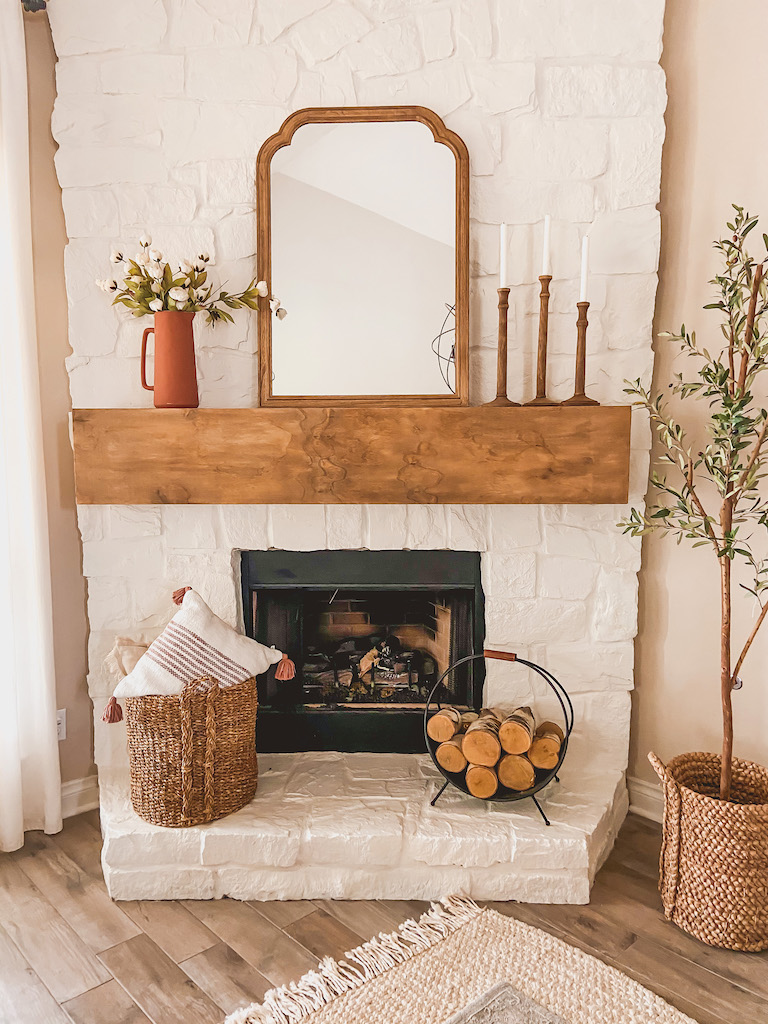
{"x": 175, "y": 385}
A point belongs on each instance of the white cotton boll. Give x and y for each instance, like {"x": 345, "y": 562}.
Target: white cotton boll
{"x": 186, "y": 267}
{"x": 274, "y": 305}
{"x": 203, "y": 257}
{"x": 281, "y": 313}
{"x": 156, "y": 287}
{"x": 116, "y": 256}
{"x": 145, "y": 241}
{"x": 155, "y": 271}
{"x": 155, "y": 255}
{"x": 156, "y": 305}
{"x": 142, "y": 259}
{"x": 262, "y": 290}
{"x": 110, "y": 286}
{"x": 179, "y": 295}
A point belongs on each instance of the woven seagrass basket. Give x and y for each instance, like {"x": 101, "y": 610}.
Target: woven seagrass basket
{"x": 714, "y": 855}
{"x": 193, "y": 756}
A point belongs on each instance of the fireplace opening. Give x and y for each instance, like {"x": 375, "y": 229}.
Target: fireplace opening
{"x": 370, "y": 633}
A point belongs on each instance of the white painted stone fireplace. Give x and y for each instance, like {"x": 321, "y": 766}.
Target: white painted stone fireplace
{"x": 160, "y": 112}
{"x": 560, "y": 589}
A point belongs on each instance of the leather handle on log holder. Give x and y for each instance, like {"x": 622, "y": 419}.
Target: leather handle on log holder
{"x": 500, "y": 655}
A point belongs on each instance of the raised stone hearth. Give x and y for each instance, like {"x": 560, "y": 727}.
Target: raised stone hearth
{"x": 360, "y": 826}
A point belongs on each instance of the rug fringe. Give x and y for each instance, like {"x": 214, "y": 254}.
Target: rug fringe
{"x": 293, "y": 1003}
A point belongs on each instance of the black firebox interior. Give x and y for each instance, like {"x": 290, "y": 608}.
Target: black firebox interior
{"x": 370, "y": 633}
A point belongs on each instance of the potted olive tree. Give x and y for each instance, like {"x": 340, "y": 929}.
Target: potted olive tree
{"x": 714, "y": 866}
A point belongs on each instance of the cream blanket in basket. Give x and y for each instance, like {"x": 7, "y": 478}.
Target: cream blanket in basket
{"x": 196, "y": 643}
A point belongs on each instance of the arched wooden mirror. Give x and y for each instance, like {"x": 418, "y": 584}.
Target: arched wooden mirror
{"x": 363, "y": 233}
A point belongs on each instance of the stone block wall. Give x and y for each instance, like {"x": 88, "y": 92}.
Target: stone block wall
{"x": 559, "y": 591}
{"x": 161, "y": 109}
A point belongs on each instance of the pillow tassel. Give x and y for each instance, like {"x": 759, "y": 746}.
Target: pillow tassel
{"x": 178, "y": 595}
{"x": 285, "y": 669}
{"x": 112, "y": 712}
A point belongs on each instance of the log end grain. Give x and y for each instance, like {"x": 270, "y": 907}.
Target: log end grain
{"x": 444, "y": 725}
{"x": 450, "y": 756}
{"x": 516, "y": 772}
{"x": 481, "y": 746}
{"x": 481, "y": 781}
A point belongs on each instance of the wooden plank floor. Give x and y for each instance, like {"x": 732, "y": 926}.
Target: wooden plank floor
{"x": 69, "y": 955}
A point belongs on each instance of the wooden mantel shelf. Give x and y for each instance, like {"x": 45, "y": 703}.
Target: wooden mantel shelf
{"x": 367, "y": 455}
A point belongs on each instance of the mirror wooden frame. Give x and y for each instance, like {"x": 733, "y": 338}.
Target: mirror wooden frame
{"x": 340, "y": 115}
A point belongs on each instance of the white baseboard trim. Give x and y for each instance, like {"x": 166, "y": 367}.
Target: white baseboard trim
{"x": 646, "y": 799}
{"x": 79, "y": 795}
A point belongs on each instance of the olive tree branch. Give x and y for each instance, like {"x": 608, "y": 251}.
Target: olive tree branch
{"x": 748, "y": 644}
{"x": 753, "y": 457}
{"x": 749, "y": 328}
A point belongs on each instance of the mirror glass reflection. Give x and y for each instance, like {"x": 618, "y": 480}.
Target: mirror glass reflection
{"x": 364, "y": 260}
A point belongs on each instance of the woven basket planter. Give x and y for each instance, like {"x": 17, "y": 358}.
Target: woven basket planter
{"x": 714, "y": 856}
{"x": 192, "y": 756}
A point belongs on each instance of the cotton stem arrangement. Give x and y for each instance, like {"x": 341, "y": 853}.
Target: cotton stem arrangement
{"x": 711, "y": 496}
{"x": 151, "y": 285}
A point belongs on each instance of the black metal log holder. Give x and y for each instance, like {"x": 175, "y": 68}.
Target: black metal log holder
{"x": 543, "y": 776}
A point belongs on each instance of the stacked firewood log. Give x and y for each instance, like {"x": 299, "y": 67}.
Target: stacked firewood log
{"x": 494, "y": 747}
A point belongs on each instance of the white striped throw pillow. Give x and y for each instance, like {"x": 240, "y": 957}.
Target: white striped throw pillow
{"x": 196, "y": 643}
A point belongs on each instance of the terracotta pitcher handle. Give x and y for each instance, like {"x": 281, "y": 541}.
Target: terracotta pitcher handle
{"x": 144, "y": 384}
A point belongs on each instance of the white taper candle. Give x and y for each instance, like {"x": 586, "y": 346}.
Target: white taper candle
{"x": 546, "y": 259}
{"x": 503, "y": 269}
{"x": 584, "y": 268}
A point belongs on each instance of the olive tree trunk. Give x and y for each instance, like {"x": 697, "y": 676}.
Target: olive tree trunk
{"x": 726, "y": 680}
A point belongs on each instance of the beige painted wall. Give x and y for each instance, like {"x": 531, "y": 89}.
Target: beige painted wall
{"x": 714, "y": 155}
{"x": 49, "y": 239}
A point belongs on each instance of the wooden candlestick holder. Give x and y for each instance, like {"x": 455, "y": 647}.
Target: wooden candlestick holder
{"x": 501, "y": 359}
{"x": 541, "y": 360}
{"x": 579, "y": 398}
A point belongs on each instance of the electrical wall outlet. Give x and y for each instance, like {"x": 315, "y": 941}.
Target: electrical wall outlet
{"x": 61, "y": 724}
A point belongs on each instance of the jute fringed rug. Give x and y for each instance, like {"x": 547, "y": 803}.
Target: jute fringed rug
{"x": 465, "y": 965}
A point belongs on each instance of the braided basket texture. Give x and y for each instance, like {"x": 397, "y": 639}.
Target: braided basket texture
{"x": 193, "y": 756}
{"x": 714, "y": 855}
